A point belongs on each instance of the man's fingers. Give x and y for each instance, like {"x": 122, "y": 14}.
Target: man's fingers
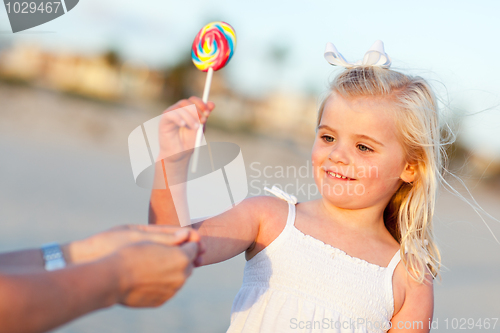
{"x": 198, "y": 261}
{"x": 193, "y": 235}
{"x": 175, "y": 238}
{"x": 166, "y": 234}
{"x": 170, "y": 229}
{"x": 190, "y": 249}
{"x": 181, "y": 235}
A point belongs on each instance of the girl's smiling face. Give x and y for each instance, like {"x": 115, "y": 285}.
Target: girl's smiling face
{"x": 357, "y": 141}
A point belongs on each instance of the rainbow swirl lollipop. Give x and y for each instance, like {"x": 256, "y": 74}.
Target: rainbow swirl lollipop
{"x": 214, "y": 46}
{"x": 212, "y": 49}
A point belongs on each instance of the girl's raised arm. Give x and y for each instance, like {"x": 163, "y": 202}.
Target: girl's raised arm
{"x": 223, "y": 236}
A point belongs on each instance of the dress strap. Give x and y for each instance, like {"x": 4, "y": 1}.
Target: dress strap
{"x": 388, "y": 281}
{"x": 292, "y": 201}
{"x": 282, "y": 195}
{"x": 394, "y": 261}
{"x": 291, "y": 214}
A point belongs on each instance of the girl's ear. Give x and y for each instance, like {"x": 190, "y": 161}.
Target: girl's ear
{"x": 409, "y": 172}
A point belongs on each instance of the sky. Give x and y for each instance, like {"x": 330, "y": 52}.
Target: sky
{"x": 451, "y": 43}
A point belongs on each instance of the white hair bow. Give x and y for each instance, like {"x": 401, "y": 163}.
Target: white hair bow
{"x": 375, "y": 56}
{"x": 421, "y": 251}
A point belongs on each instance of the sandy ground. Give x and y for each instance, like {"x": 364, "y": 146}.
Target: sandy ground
{"x": 65, "y": 174}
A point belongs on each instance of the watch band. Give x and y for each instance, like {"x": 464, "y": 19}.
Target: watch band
{"x": 53, "y": 257}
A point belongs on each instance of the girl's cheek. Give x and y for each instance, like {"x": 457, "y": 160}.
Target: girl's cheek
{"x": 367, "y": 170}
{"x": 318, "y": 157}
{"x": 317, "y": 172}
{"x": 385, "y": 176}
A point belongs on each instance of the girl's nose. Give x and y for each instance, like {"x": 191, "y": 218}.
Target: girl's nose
{"x": 338, "y": 154}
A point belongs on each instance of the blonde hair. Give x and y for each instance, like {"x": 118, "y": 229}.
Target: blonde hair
{"x": 408, "y": 215}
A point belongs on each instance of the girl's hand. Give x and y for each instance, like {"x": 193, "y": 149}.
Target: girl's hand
{"x": 178, "y": 127}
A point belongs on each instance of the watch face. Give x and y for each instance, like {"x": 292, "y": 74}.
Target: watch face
{"x": 53, "y": 257}
{"x": 52, "y": 265}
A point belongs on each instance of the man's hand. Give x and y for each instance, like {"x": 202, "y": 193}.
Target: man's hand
{"x": 106, "y": 243}
{"x": 152, "y": 261}
{"x": 152, "y": 273}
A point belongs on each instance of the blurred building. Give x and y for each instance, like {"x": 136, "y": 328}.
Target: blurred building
{"x": 103, "y": 77}
{"x": 278, "y": 114}
{"x": 92, "y": 76}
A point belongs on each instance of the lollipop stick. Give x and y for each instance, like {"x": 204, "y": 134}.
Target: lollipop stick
{"x": 208, "y": 82}
{"x": 199, "y": 134}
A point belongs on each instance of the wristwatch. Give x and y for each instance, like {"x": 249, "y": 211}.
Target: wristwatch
{"x": 53, "y": 256}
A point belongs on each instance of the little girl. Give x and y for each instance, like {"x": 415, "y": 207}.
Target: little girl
{"x": 362, "y": 257}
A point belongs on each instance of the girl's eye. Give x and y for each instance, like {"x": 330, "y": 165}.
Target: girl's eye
{"x": 364, "y": 148}
{"x": 328, "y": 138}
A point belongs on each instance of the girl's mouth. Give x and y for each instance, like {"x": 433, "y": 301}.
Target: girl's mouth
{"x": 336, "y": 175}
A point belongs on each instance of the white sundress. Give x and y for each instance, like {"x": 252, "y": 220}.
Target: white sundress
{"x": 300, "y": 284}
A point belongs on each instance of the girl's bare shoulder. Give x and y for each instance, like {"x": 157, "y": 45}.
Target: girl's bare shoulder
{"x": 267, "y": 209}
{"x": 272, "y": 213}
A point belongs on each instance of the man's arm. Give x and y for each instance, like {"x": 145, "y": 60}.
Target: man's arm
{"x": 132, "y": 265}
{"x": 94, "y": 247}
{"x": 40, "y": 301}
{"x": 24, "y": 260}
{"x": 31, "y": 260}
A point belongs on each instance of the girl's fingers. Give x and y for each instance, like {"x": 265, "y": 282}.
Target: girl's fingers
{"x": 198, "y": 102}
{"x": 202, "y": 108}
{"x": 182, "y": 117}
{"x": 189, "y": 117}
{"x": 179, "y": 104}
{"x": 175, "y": 118}
{"x": 211, "y": 106}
